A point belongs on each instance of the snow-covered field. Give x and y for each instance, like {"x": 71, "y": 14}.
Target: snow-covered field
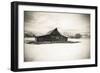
{"x": 57, "y": 51}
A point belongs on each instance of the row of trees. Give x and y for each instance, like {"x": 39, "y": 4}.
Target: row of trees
{"x": 78, "y": 35}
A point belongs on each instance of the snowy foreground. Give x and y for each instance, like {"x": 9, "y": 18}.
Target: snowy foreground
{"x": 57, "y": 51}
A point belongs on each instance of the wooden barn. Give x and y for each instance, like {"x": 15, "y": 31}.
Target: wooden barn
{"x": 54, "y": 36}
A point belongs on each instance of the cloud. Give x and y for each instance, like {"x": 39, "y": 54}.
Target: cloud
{"x": 40, "y": 23}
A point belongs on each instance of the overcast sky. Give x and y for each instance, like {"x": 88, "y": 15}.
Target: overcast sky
{"x": 40, "y": 23}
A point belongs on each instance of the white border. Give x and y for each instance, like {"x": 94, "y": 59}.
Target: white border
{"x": 22, "y": 64}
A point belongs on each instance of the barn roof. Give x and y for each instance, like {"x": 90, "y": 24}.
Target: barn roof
{"x": 54, "y": 32}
